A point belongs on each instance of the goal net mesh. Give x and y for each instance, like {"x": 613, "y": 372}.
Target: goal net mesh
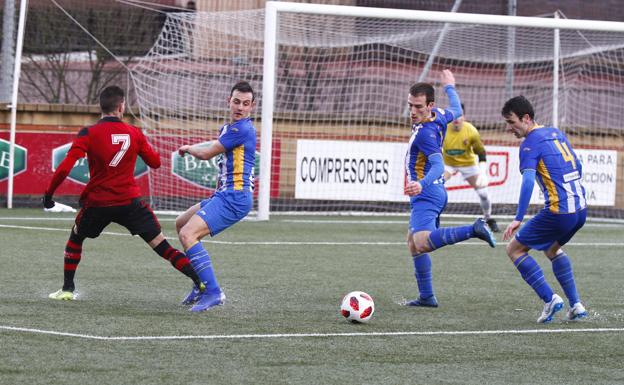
{"x": 341, "y": 127}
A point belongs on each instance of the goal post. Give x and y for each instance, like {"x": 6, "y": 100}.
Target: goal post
{"x": 331, "y": 111}
{"x": 274, "y": 9}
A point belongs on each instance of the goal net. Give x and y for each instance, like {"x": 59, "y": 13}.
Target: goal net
{"x": 336, "y": 126}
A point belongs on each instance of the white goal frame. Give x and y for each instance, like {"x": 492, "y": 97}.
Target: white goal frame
{"x": 274, "y": 9}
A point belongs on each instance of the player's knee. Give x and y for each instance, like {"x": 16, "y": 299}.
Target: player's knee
{"x": 421, "y": 247}
{"x": 512, "y": 251}
{"x": 553, "y": 252}
{"x": 411, "y": 247}
{"x": 482, "y": 192}
{"x": 179, "y": 223}
{"x": 187, "y": 237}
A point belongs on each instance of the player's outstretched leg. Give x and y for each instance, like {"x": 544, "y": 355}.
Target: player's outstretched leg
{"x": 444, "y": 236}
{"x": 483, "y": 232}
{"x": 73, "y": 252}
{"x": 422, "y": 271}
{"x": 212, "y": 295}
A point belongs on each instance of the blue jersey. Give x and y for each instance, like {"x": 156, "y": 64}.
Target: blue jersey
{"x": 557, "y": 168}
{"x": 427, "y": 139}
{"x": 236, "y": 165}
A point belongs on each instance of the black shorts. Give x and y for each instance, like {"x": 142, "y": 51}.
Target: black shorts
{"x": 137, "y": 217}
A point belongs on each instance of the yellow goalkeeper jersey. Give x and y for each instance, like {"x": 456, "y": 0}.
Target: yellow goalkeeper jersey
{"x": 460, "y": 147}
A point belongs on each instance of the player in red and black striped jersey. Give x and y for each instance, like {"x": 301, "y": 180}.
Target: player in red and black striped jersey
{"x": 112, "y": 195}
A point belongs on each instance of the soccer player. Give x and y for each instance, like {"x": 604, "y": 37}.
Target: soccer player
{"x": 112, "y": 195}
{"x": 547, "y": 156}
{"x": 236, "y": 147}
{"x": 425, "y": 186}
{"x": 461, "y": 143}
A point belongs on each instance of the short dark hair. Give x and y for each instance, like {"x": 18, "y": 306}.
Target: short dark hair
{"x": 463, "y": 109}
{"x": 244, "y": 87}
{"x": 423, "y": 89}
{"x": 520, "y": 106}
{"x": 110, "y": 98}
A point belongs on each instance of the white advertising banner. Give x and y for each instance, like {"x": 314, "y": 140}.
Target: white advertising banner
{"x": 344, "y": 170}
{"x": 375, "y": 171}
{"x": 599, "y": 172}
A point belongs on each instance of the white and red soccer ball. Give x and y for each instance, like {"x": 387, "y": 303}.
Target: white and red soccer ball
{"x": 357, "y": 307}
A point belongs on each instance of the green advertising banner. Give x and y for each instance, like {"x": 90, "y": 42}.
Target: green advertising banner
{"x": 19, "y": 163}
{"x": 80, "y": 172}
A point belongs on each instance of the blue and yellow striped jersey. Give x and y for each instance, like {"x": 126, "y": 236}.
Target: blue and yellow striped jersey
{"x": 236, "y": 165}
{"x": 558, "y": 170}
{"x": 426, "y": 139}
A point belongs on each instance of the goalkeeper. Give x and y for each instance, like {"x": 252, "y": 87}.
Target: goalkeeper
{"x": 461, "y": 143}
{"x": 112, "y": 195}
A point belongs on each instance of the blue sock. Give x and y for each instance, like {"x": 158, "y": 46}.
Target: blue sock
{"x": 422, "y": 270}
{"x": 562, "y": 267}
{"x": 534, "y": 276}
{"x": 203, "y": 267}
{"x": 449, "y": 235}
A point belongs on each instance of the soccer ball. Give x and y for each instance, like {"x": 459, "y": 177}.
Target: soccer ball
{"x": 357, "y": 307}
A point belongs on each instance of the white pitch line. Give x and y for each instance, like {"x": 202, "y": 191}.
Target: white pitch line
{"x": 405, "y": 221}
{"x": 310, "y": 335}
{"x": 61, "y": 219}
{"x": 328, "y": 221}
{"x": 311, "y": 243}
{"x": 54, "y": 229}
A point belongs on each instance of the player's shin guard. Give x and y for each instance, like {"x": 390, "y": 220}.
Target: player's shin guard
{"x": 178, "y": 260}
{"x": 73, "y": 252}
{"x": 532, "y": 273}
{"x": 449, "y": 235}
{"x": 562, "y": 268}
{"x": 422, "y": 271}
{"x": 200, "y": 259}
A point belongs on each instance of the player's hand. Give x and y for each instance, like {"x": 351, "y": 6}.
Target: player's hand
{"x": 413, "y": 188}
{"x": 184, "y": 149}
{"x": 48, "y": 203}
{"x": 511, "y": 229}
{"x": 447, "y": 78}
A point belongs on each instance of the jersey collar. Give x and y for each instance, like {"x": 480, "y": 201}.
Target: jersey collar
{"x": 110, "y": 119}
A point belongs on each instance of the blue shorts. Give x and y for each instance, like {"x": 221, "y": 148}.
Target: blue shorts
{"x": 426, "y": 210}
{"x": 546, "y": 228}
{"x": 224, "y": 209}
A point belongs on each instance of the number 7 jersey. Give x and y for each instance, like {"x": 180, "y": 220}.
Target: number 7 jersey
{"x": 111, "y": 147}
{"x": 558, "y": 170}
